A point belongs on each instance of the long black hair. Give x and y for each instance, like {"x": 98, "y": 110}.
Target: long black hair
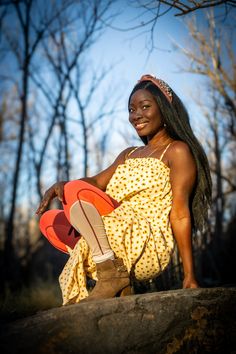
{"x": 176, "y": 120}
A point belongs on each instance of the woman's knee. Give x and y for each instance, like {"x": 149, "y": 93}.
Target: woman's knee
{"x": 72, "y": 187}
{"x": 73, "y": 190}
{"x": 81, "y": 190}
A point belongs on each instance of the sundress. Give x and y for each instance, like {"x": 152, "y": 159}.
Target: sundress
{"x": 138, "y": 230}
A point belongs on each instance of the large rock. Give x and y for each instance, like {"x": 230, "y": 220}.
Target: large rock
{"x": 177, "y": 321}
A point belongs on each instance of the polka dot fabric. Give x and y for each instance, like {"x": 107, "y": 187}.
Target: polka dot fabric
{"x": 138, "y": 230}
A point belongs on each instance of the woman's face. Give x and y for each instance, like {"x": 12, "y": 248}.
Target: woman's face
{"x": 144, "y": 114}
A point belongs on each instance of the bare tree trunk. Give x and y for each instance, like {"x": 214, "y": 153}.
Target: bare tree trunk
{"x": 23, "y": 44}
{"x": 219, "y": 204}
{"x": 8, "y": 247}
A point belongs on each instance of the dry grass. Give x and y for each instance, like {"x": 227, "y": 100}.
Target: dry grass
{"x": 42, "y": 295}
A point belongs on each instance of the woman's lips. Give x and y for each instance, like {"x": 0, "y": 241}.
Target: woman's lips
{"x": 140, "y": 126}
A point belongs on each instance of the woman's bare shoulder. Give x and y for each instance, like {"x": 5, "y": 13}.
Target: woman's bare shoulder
{"x": 179, "y": 148}
{"x": 179, "y": 154}
{"x": 124, "y": 154}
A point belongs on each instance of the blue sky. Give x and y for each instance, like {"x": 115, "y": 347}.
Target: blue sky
{"x": 129, "y": 49}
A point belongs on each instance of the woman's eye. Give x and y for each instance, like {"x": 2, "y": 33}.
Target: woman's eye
{"x": 131, "y": 110}
{"x": 145, "y": 106}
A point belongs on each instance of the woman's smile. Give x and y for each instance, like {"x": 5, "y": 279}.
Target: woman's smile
{"x": 144, "y": 113}
{"x": 140, "y": 125}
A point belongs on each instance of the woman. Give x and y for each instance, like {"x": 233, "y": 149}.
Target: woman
{"x": 131, "y": 214}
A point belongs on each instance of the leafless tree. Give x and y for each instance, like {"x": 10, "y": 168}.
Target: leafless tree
{"x": 211, "y": 55}
{"x": 37, "y": 27}
{"x": 73, "y": 83}
{"x": 214, "y": 58}
{"x": 186, "y": 7}
{"x": 147, "y": 14}
{"x": 22, "y": 42}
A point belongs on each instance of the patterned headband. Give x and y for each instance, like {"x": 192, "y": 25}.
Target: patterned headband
{"x": 162, "y": 85}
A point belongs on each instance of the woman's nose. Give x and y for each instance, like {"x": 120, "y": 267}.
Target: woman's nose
{"x": 137, "y": 114}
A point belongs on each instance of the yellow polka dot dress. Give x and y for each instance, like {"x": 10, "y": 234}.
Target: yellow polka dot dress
{"x": 138, "y": 231}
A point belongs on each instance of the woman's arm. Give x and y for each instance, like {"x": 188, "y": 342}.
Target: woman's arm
{"x": 100, "y": 181}
{"x": 183, "y": 176}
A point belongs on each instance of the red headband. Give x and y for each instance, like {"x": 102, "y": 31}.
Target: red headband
{"x": 162, "y": 85}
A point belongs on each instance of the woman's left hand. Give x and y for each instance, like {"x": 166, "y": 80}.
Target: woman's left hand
{"x": 190, "y": 282}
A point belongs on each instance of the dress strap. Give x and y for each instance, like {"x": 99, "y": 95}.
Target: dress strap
{"x": 162, "y": 155}
{"x": 130, "y": 152}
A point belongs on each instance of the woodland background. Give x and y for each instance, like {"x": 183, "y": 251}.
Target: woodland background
{"x": 57, "y": 122}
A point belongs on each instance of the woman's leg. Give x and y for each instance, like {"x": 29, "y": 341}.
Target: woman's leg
{"x": 83, "y": 209}
{"x": 84, "y": 205}
{"x": 57, "y": 229}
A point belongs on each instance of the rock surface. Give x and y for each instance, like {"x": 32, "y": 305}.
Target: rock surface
{"x": 176, "y": 321}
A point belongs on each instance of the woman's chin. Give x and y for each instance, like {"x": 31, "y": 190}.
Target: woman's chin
{"x": 141, "y": 132}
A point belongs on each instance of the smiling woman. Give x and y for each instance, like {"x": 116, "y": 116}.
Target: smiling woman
{"x": 127, "y": 218}
{"x": 144, "y": 113}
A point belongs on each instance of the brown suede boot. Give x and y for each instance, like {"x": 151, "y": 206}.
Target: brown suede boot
{"x": 113, "y": 279}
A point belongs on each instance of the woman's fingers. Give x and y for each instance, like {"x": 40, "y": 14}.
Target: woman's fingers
{"x": 57, "y": 190}
{"x": 48, "y": 196}
{"x": 192, "y": 284}
{"x": 60, "y": 191}
{"x": 42, "y": 206}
